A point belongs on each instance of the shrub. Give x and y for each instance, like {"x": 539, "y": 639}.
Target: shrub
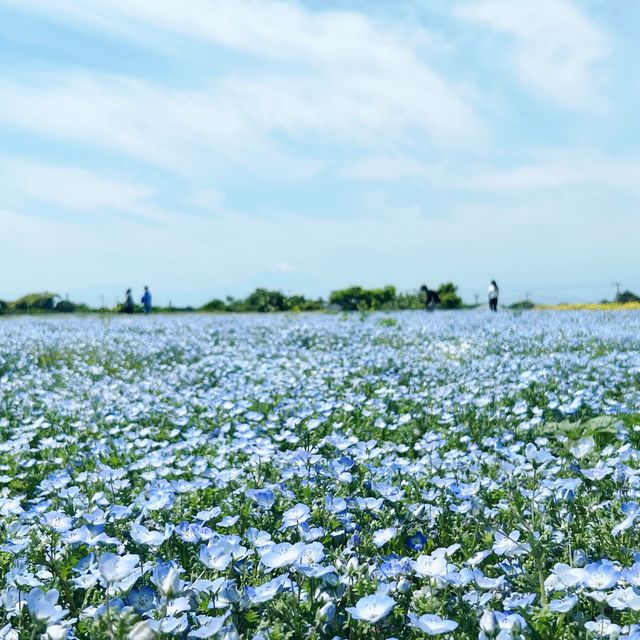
{"x": 522, "y": 304}
{"x": 627, "y": 296}
{"x": 357, "y": 298}
{"x": 44, "y": 301}
{"x": 214, "y": 305}
{"x": 449, "y": 298}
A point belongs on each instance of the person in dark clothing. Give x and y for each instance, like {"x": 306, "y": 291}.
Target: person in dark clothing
{"x": 146, "y": 300}
{"x": 431, "y": 298}
{"x": 493, "y": 296}
{"x": 128, "y": 303}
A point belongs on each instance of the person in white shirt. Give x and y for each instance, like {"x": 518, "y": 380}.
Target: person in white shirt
{"x": 493, "y": 296}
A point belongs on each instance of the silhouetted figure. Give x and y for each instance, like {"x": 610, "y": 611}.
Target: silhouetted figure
{"x": 146, "y": 300}
{"x": 493, "y": 296}
{"x": 431, "y": 298}
{"x": 128, "y": 302}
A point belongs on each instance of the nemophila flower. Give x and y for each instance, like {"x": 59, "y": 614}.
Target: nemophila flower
{"x": 603, "y": 627}
{"x": 372, "y": 608}
{"x": 57, "y": 521}
{"x": 282, "y": 555}
{"x": 142, "y": 535}
{"x": 622, "y": 599}
{"x": 568, "y": 576}
{"x": 207, "y": 626}
{"x": 417, "y": 541}
{"x": 489, "y": 625}
{"x": 369, "y": 504}
{"x": 43, "y": 606}
{"x": 485, "y": 582}
{"x": 600, "y": 471}
{"x": 258, "y": 539}
{"x": 563, "y": 605}
{"x": 510, "y": 546}
{"x": 208, "y": 514}
{"x": 431, "y": 624}
{"x": 86, "y": 581}
{"x": 601, "y": 575}
{"x": 627, "y": 523}
{"x": 55, "y": 482}
{"x": 458, "y": 578}
{"x": 188, "y": 532}
{"x": 228, "y": 521}
{"x": 141, "y": 631}
{"x": 382, "y": 536}
{"x": 119, "y": 572}
{"x": 58, "y": 631}
{"x": 169, "y": 624}
{"x": 310, "y": 534}
{"x": 335, "y": 505}
{"x": 583, "y": 448}
{"x": 430, "y": 566}
{"x": 227, "y": 595}
{"x": 263, "y": 498}
{"x": 519, "y": 601}
{"x": 478, "y": 558}
{"x": 215, "y": 556}
{"x": 142, "y": 599}
{"x": 297, "y": 515}
{"x": 268, "y": 590}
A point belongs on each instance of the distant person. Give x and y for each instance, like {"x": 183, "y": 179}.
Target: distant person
{"x": 146, "y": 300}
{"x": 128, "y": 302}
{"x": 493, "y": 296}
{"x": 431, "y": 298}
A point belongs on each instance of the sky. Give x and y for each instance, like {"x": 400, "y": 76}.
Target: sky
{"x": 208, "y": 147}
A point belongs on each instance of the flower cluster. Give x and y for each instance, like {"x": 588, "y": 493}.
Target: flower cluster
{"x": 323, "y": 477}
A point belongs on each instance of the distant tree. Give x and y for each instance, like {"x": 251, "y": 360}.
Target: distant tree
{"x": 214, "y": 305}
{"x": 66, "y": 306}
{"x": 449, "y": 298}
{"x": 359, "y": 299}
{"x": 37, "y": 302}
{"x": 522, "y": 304}
{"x": 409, "y": 300}
{"x": 264, "y": 301}
{"x": 627, "y": 296}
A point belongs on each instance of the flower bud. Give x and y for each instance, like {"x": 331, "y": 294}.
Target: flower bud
{"x": 489, "y": 623}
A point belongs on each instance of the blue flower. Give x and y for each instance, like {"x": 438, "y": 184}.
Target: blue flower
{"x": 372, "y": 608}
{"x": 432, "y": 625}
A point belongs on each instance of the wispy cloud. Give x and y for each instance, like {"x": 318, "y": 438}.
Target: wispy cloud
{"x": 30, "y": 185}
{"x": 558, "y": 170}
{"x": 556, "y": 51}
{"x": 333, "y": 77}
{"x": 284, "y": 267}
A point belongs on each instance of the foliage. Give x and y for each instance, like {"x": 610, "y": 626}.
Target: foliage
{"x": 321, "y": 476}
{"x": 521, "y": 305}
{"x": 449, "y": 298}
{"x": 359, "y": 299}
{"x": 627, "y": 296}
{"x": 44, "y": 301}
{"x": 264, "y": 301}
{"x": 214, "y": 305}
{"x": 66, "y": 306}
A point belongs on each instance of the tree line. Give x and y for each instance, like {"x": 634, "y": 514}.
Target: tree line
{"x": 259, "y": 301}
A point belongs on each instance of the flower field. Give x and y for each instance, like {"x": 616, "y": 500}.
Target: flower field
{"x": 457, "y": 475}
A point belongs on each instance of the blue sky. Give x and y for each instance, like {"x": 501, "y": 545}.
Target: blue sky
{"x": 207, "y": 147}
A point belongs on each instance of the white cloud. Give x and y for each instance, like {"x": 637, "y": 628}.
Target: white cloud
{"x": 24, "y": 182}
{"x": 555, "y": 49}
{"x": 559, "y": 170}
{"x": 332, "y": 77}
{"x": 284, "y": 267}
